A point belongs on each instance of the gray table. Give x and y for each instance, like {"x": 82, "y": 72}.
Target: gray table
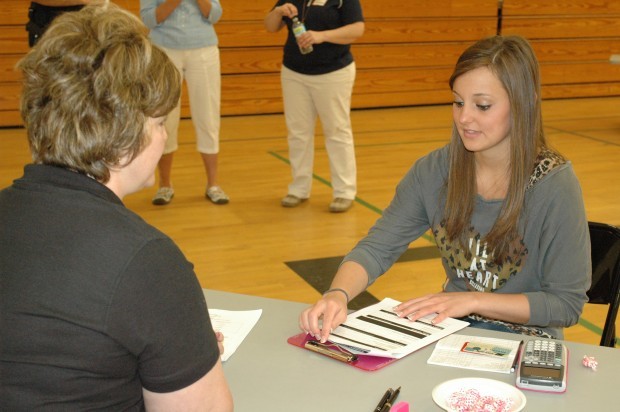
{"x": 268, "y": 374}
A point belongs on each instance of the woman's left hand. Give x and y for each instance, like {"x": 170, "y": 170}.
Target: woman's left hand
{"x": 310, "y": 37}
{"x": 445, "y": 304}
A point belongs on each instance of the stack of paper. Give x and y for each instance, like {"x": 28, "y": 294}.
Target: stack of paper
{"x": 235, "y": 325}
{"x": 378, "y": 331}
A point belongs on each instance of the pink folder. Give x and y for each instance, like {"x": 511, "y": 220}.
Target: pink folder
{"x": 365, "y": 362}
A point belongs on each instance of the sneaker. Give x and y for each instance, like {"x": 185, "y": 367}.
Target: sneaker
{"x": 291, "y": 201}
{"x": 339, "y": 205}
{"x": 163, "y": 196}
{"x": 217, "y": 195}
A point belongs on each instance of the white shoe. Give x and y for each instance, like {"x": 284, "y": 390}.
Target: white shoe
{"x": 291, "y": 201}
{"x": 163, "y": 196}
{"x": 217, "y": 195}
{"x": 339, "y": 205}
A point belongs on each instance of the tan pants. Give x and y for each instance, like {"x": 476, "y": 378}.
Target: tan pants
{"x": 327, "y": 96}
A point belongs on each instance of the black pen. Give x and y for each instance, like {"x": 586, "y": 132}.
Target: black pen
{"x": 386, "y": 396}
{"x": 388, "y": 405}
{"x": 517, "y": 357}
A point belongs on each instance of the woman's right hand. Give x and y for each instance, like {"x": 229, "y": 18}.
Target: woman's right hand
{"x": 330, "y": 311}
{"x": 324, "y": 316}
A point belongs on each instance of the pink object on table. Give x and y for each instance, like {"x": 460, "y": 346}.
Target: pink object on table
{"x": 589, "y": 362}
{"x": 400, "y": 407}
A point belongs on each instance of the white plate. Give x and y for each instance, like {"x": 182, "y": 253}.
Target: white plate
{"x": 497, "y": 389}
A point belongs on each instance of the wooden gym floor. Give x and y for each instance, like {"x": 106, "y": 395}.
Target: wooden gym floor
{"x": 254, "y": 246}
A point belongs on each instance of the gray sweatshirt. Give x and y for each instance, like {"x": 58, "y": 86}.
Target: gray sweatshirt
{"x": 550, "y": 263}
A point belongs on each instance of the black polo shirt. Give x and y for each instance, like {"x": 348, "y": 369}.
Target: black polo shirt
{"x": 319, "y": 16}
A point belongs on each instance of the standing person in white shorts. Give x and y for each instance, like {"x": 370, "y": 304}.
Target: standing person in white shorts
{"x": 184, "y": 29}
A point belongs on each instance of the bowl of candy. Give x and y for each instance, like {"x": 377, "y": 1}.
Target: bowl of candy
{"x": 478, "y": 394}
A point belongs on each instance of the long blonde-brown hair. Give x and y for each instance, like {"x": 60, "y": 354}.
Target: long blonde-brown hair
{"x": 512, "y": 60}
{"x": 89, "y": 86}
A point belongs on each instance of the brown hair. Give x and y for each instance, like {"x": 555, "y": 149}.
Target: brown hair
{"x": 512, "y": 60}
{"x": 89, "y": 86}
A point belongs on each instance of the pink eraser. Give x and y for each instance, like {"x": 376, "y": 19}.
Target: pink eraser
{"x": 400, "y": 407}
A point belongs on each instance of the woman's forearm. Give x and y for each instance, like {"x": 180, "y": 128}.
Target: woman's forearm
{"x": 508, "y": 307}
{"x": 273, "y": 21}
{"x": 165, "y": 9}
{"x": 352, "y": 278}
{"x": 345, "y": 34}
{"x": 205, "y": 7}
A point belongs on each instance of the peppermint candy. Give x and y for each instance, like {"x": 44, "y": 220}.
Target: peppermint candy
{"x": 589, "y": 362}
{"x": 471, "y": 400}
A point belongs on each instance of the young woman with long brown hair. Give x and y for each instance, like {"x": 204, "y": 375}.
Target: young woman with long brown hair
{"x": 505, "y": 209}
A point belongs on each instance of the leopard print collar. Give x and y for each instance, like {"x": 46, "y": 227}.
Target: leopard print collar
{"x": 546, "y": 161}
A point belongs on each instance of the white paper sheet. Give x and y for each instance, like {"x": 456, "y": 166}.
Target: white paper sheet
{"x": 235, "y": 325}
{"x": 377, "y": 331}
{"x": 448, "y": 352}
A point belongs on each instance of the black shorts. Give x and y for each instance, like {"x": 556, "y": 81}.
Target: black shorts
{"x": 39, "y": 17}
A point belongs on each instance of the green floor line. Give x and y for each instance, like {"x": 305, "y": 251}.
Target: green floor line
{"x": 276, "y": 155}
{"x": 583, "y": 322}
{"x": 357, "y": 199}
{"x": 590, "y": 326}
{"x": 593, "y": 328}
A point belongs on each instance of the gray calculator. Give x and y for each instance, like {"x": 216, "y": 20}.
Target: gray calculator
{"x": 543, "y": 366}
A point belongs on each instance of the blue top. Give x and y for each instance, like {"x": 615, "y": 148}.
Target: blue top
{"x": 185, "y": 28}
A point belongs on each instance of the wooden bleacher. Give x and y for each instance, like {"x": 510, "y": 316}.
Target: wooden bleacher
{"x": 404, "y": 58}
{"x": 573, "y": 40}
